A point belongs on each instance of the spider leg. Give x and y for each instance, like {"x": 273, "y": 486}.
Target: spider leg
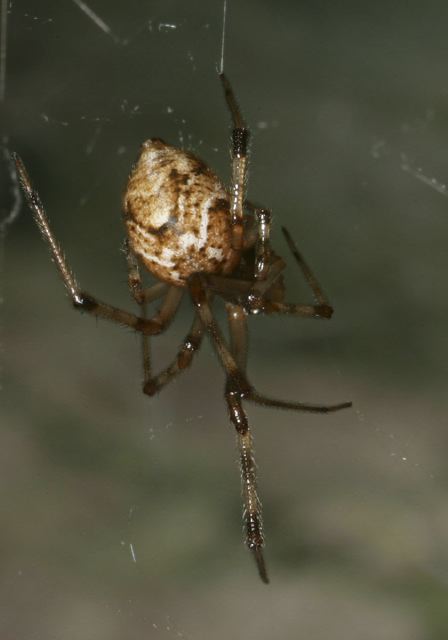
{"x": 146, "y": 346}
{"x": 228, "y": 287}
{"x": 198, "y": 290}
{"x": 165, "y": 315}
{"x": 322, "y": 309}
{"x": 251, "y": 296}
{"x": 269, "y": 307}
{"x": 245, "y": 292}
{"x": 309, "y": 276}
{"x": 256, "y": 302}
{"x": 190, "y": 346}
{"x": 145, "y": 295}
{"x": 252, "y": 506}
{"x": 240, "y": 139}
{"x": 138, "y": 291}
{"x": 80, "y": 299}
{"x": 252, "y": 512}
{"x": 265, "y": 401}
{"x": 262, "y": 247}
{"x": 238, "y": 388}
{"x": 236, "y": 318}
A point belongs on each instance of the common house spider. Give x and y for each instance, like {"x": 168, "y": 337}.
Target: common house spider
{"x": 198, "y": 237}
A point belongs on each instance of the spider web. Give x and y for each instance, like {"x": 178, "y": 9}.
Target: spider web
{"x": 133, "y": 504}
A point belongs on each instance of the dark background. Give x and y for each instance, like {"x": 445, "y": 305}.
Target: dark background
{"x": 348, "y": 108}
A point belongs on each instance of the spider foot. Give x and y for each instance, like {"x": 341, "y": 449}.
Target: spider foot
{"x": 324, "y": 311}
{"x": 261, "y": 565}
{"x": 238, "y": 388}
{"x": 296, "y": 406}
{"x": 150, "y": 387}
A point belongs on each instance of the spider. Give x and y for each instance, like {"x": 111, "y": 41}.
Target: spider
{"x": 198, "y": 237}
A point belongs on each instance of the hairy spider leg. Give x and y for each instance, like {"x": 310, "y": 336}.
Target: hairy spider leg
{"x": 322, "y": 309}
{"x": 308, "y": 274}
{"x": 238, "y": 333}
{"x": 189, "y": 347}
{"x": 240, "y": 139}
{"x": 262, "y": 246}
{"x": 247, "y": 292}
{"x": 267, "y": 269}
{"x": 191, "y": 343}
{"x": 143, "y": 296}
{"x": 135, "y": 284}
{"x": 252, "y": 509}
{"x": 238, "y": 389}
{"x": 252, "y": 296}
{"x": 80, "y": 299}
{"x": 198, "y": 288}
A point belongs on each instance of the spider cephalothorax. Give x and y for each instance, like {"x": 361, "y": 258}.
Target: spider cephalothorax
{"x": 196, "y": 236}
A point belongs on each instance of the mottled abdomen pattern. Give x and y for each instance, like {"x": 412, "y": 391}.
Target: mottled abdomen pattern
{"x": 177, "y": 215}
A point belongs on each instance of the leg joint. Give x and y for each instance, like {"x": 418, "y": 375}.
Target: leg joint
{"x": 84, "y": 302}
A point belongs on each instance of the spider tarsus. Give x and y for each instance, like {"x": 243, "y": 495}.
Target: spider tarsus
{"x": 238, "y": 386}
{"x": 287, "y": 235}
{"x": 342, "y": 405}
{"x": 296, "y": 406}
{"x": 150, "y": 388}
{"x": 23, "y": 174}
{"x": 324, "y": 311}
{"x": 229, "y": 95}
{"x": 261, "y": 565}
{"x": 323, "y": 408}
{"x": 225, "y": 85}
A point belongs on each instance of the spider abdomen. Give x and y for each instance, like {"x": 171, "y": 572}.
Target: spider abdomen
{"x": 177, "y": 214}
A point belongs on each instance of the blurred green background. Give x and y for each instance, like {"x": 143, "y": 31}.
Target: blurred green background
{"x": 120, "y": 513}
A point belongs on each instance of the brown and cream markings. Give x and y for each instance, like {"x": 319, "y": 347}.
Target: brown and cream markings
{"x": 177, "y": 214}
